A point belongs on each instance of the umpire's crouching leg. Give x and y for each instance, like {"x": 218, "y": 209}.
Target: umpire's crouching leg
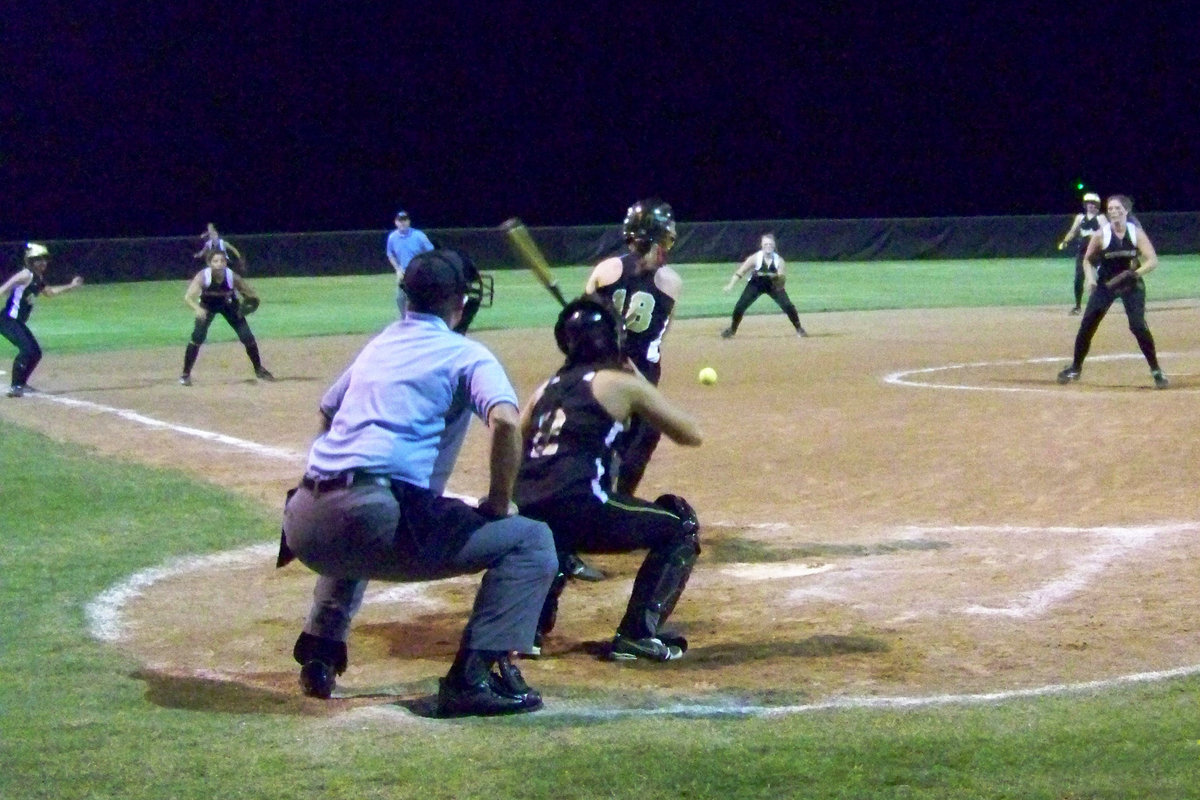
{"x": 521, "y": 563}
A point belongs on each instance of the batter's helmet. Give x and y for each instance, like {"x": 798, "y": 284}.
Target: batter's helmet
{"x": 437, "y": 275}
{"x": 1091, "y": 197}
{"x": 649, "y": 222}
{"x": 588, "y": 331}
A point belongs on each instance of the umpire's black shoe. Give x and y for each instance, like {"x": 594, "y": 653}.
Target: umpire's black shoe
{"x": 317, "y": 679}
{"x": 481, "y": 699}
{"x": 580, "y": 570}
{"x": 1069, "y": 374}
{"x": 507, "y": 681}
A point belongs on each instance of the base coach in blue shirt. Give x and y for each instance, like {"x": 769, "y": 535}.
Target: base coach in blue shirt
{"x": 370, "y": 505}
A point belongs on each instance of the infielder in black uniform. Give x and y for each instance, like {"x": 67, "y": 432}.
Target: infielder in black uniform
{"x": 644, "y": 291}
{"x": 214, "y": 290}
{"x": 19, "y": 291}
{"x": 1085, "y": 225}
{"x": 569, "y": 427}
{"x": 1124, "y": 254}
{"x": 767, "y": 276}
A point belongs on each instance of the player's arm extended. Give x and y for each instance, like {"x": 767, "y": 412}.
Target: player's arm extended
{"x": 622, "y": 394}
{"x": 51, "y": 291}
{"x": 1073, "y": 232}
{"x": 742, "y": 269}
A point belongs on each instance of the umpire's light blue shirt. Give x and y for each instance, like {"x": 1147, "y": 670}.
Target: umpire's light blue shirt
{"x": 406, "y": 245}
{"x": 403, "y": 407}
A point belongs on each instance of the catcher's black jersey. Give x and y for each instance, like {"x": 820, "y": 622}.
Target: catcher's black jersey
{"x": 569, "y": 450}
{"x": 218, "y": 295}
{"x": 1118, "y": 253}
{"x": 646, "y": 310}
{"x": 20, "y": 300}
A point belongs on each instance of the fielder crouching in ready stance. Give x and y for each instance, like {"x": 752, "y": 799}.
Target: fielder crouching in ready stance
{"x": 370, "y": 505}
{"x": 569, "y": 427}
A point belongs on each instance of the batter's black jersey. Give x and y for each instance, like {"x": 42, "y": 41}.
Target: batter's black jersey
{"x": 646, "y": 310}
{"x": 569, "y": 450}
{"x": 1089, "y": 227}
{"x": 1118, "y": 253}
{"x": 20, "y": 300}
{"x": 218, "y": 295}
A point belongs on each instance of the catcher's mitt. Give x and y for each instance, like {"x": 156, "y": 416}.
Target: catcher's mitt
{"x": 249, "y": 305}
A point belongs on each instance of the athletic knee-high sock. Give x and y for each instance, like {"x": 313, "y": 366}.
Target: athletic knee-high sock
{"x": 189, "y": 357}
{"x": 255, "y": 358}
{"x": 1146, "y": 342}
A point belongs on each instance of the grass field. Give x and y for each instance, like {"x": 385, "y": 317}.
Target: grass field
{"x": 79, "y": 720}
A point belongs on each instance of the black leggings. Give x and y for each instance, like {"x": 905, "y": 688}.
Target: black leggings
{"x": 240, "y": 327}
{"x": 756, "y": 288}
{"x": 29, "y": 353}
{"x": 1098, "y": 304}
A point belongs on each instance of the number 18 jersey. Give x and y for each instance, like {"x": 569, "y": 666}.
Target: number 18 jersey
{"x": 569, "y": 450}
{"x": 646, "y": 310}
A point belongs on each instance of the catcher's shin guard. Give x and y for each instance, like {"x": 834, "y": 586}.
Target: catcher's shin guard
{"x": 663, "y": 575}
{"x": 318, "y": 648}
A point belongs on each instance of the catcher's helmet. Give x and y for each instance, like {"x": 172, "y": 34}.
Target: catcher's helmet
{"x": 649, "y": 222}
{"x": 35, "y": 251}
{"x": 588, "y": 331}
{"x": 436, "y": 275}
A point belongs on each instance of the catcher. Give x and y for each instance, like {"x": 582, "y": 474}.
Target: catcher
{"x": 214, "y": 290}
{"x": 767, "y": 277}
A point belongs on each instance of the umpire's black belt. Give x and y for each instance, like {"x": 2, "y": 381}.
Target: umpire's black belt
{"x": 344, "y": 480}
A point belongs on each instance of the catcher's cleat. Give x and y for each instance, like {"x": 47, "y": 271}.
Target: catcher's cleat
{"x": 727, "y": 333}
{"x": 185, "y": 380}
{"x": 507, "y": 681}
{"x": 625, "y": 648}
{"x": 317, "y": 679}
{"x": 1069, "y": 374}
{"x": 1160, "y": 380}
{"x": 580, "y": 570}
{"x": 263, "y": 375}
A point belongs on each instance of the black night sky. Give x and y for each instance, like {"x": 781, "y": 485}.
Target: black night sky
{"x": 129, "y": 119}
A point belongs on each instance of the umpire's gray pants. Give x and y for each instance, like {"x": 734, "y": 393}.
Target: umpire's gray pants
{"x": 351, "y": 535}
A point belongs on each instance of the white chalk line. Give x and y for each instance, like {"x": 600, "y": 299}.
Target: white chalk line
{"x": 106, "y": 622}
{"x": 902, "y": 377}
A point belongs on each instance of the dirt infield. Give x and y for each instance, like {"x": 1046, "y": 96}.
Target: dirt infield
{"x": 904, "y": 503}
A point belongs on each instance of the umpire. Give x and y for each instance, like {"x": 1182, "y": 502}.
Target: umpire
{"x": 370, "y": 504}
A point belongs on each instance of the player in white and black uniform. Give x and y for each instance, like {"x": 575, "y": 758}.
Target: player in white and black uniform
{"x": 1116, "y": 259}
{"x": 569, "y": 428}
{"x": 216, "y": 290}
{"x": 19, "y": 291}
{"x": 214, "y": 243}
{"x": 1086, "y": 224}
{"x": 644, "y": 291}
{"x": 767, "y": 274}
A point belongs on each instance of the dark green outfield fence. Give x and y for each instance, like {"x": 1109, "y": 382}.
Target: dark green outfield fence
{"x": 361, "y": 252}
